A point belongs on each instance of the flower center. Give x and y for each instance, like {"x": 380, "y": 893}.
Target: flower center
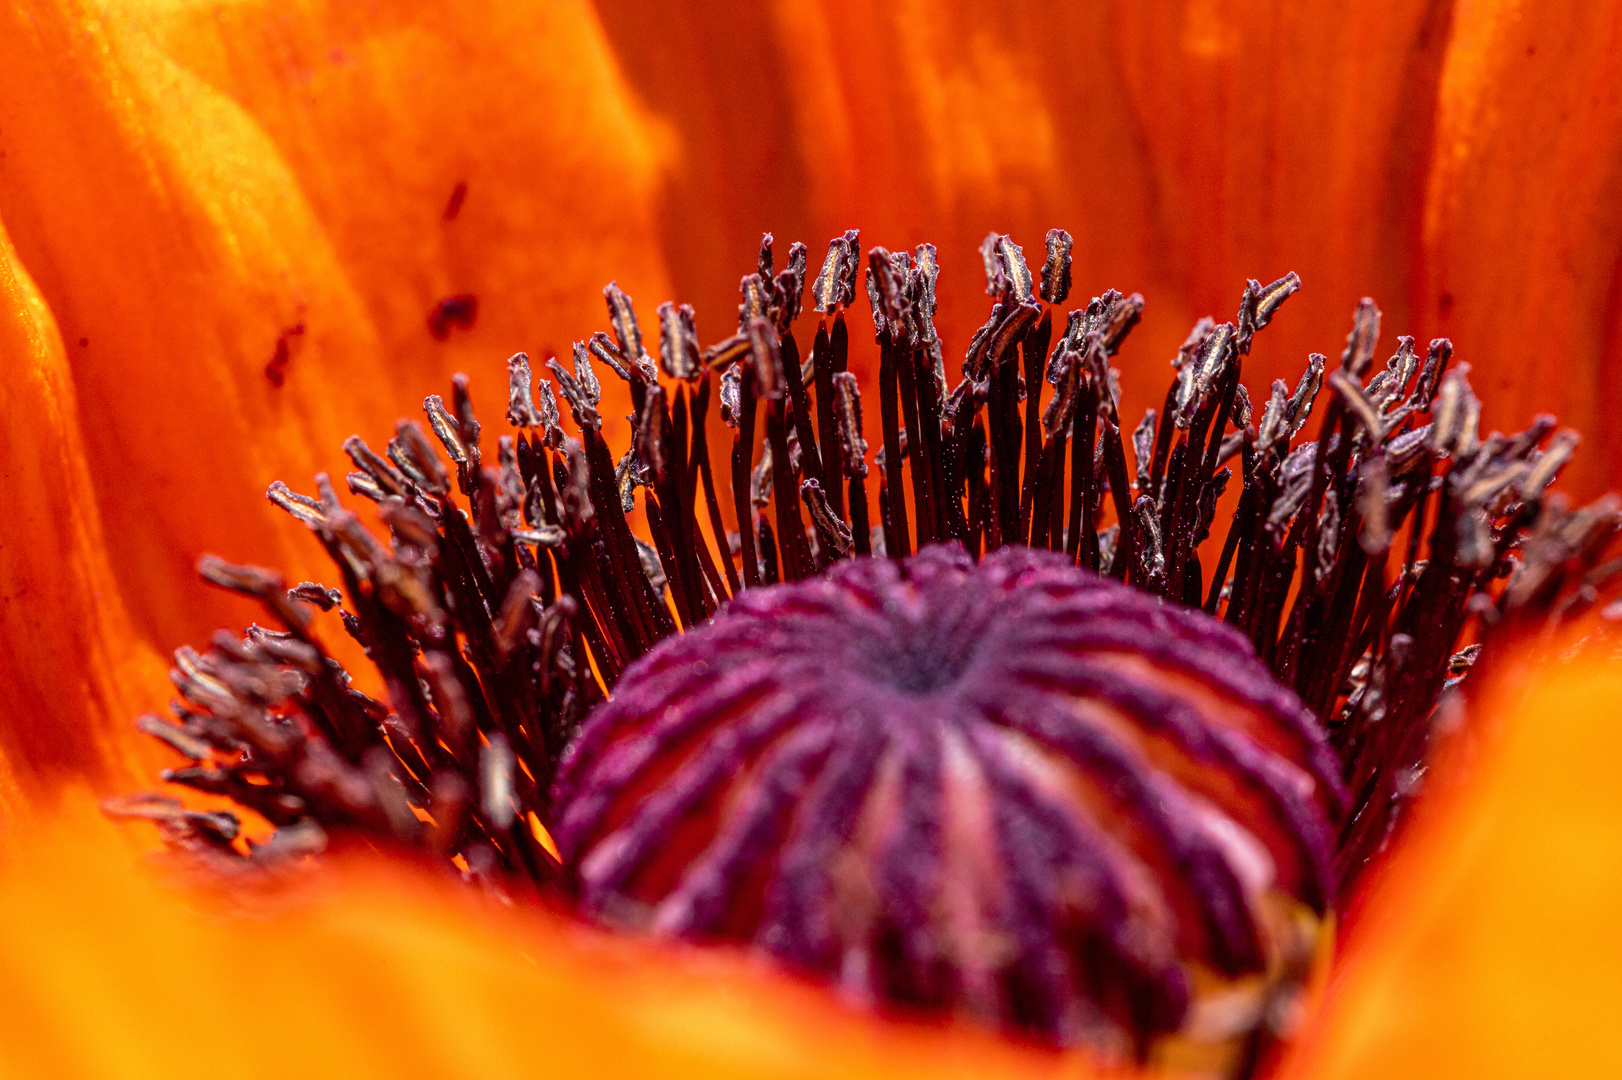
{"x": 1059, "y": 769}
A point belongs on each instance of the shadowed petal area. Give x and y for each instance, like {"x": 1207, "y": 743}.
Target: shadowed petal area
{"x": 203, "y": 192}
{"x": 1186, "y": 145}
{"x": 72, "y": 670}
{"x": 368, "y": 969}
{"x": 1490, "y": 946}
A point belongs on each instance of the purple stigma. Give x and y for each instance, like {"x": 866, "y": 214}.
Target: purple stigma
{"x": 1012, "y": 789}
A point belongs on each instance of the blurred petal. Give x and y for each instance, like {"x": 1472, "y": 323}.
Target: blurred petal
{"x": 193, "y": 185}
{"x": 73, "y": 673}
{"x": 1490, "y": 946}
{"x": 378, "y": 970}
{"x": 1523, "y": 216}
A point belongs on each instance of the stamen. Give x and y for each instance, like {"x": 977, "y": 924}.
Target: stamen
{"x": 1357, "y": 564}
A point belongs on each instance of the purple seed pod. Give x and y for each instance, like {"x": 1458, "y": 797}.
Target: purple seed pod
{"x": 1013, "y": 789}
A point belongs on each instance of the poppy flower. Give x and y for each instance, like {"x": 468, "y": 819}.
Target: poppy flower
{"x": 307, "y": 288}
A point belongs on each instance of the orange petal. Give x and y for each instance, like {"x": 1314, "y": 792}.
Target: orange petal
{"x": 190, "y": 185}
{"x": 379, "y": 970}
{"x": 1490, "y": 946}
{"x": 70, "y": 662}
{"x": 1279, "y": 138}
{"x": 1523, "y": 217}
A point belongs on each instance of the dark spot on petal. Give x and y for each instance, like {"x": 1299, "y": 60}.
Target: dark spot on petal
{"x": 276, "y": 369}
{"x": 453, "y": 205}
{"x": 452, "y": 312}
